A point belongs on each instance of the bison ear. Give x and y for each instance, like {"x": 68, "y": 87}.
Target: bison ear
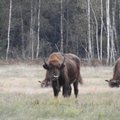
{"x": 107, "y": 80}
{"x": 46, "y": 66}
{"x": 62, "y": 66}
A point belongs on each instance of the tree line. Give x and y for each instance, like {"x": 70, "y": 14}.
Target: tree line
{"x": 30, "y": 29}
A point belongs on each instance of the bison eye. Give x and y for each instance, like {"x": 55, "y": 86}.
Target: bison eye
{"x": 54, "y": 74}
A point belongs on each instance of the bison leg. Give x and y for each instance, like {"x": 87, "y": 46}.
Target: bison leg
{"x": 67, "y": 90}
{"x": 56, "y": 89}
{"x": 56, "y": 92}
{"x": 75, "y": 84}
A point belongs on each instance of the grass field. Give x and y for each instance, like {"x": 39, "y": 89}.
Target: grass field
{"x": 22, "y": 98}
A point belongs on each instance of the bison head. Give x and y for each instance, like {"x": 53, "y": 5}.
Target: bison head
{"x": 113, "y": 83}
{"x": 45, "y": 83}
{"x": 54, "y": 69}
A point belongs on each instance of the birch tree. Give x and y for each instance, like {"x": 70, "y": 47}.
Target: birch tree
{"x": 113, "y": 35}
{"x": 38, "y": 30}
{"x": 114, "y": 23}
{"x": 112, "y": 51}
{"x": 61, "y": 27}
{"x": 96, "y": 34}
{"x": 9, "y": 26}
{"x": 89, "y": 32}
{"x": 101, "y": 31}
{"x": 108, "y": 29}
{"x": 31, "y": 32}
{"x": 22, "y": 32}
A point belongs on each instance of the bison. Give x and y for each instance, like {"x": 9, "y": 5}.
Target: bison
{"x": 115, "y": 81}
{"x": 62, "y": 71}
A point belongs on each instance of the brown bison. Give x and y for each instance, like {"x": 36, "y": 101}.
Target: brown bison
{"x": 62, "y": 71}
{"x": 115, "y": 81}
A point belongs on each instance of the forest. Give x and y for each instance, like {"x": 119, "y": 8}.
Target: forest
{"x": 32, "y": 29}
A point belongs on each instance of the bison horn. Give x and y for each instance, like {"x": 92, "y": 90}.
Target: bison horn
{"x": 44, "y": 61}
{"x": 62, "y": 65}
{"x": 46, "y": 66}
{"x": 63, "y": 60}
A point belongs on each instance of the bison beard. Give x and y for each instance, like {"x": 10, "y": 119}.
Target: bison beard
{"x": 62, "y": 71}
{"x": 115, "y": 81}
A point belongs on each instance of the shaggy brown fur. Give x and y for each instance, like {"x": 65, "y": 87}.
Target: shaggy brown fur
{"x": 115, "y": 81}
{"x": 63, "y": 71}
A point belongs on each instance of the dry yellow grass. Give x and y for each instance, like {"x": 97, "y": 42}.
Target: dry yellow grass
{"x": 24, "y": 79}
{"x": 22, "y": 98}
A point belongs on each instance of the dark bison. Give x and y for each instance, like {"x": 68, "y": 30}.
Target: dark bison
{"x": 62, "y": 71}
{"x": 115, "y": 81}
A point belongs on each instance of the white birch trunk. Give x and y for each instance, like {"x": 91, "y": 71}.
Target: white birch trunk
{"x": 22, "y": 32}
{"x": 112, "y": 55}
{"x": 114, "y": 24}
{"x": 38, "y": 38}
{"x": 97, "y": 41}
{"x": 89, "y": 34}
{"x": 61, "y": 27}
{"x": 108, "y": 29}
{"x": 101, "y": 32}
{"x": 31, "y": 32}
{"x": 9, "y": 26}
{"x": 67, "y": 29}
{"x": 113, "y": 36}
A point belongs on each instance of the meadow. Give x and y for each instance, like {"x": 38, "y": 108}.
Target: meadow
{"x": 22, "y": 98}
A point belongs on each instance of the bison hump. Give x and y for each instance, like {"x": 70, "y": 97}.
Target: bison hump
{"x": 55, "y": 58}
